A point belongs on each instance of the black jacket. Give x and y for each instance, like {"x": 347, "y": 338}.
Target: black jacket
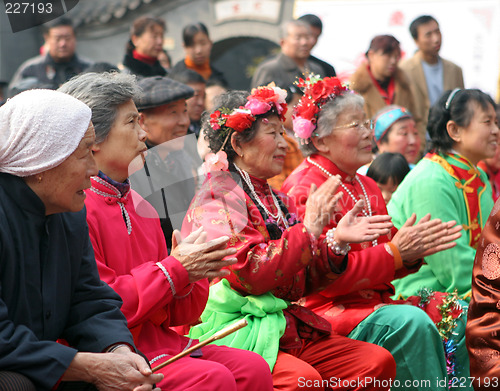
{"x": 168, "y": 185}
{"x": 329, "y": 70}
{"x": 142, "y": 69}
{"x": 47, "y": 72}
{"x": 216, "y": 76}
{"x": 283, "y": 71}
{"x": 49, "y": 289}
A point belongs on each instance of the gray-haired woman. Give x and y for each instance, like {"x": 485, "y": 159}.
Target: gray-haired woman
{"x": 337, "y": 140}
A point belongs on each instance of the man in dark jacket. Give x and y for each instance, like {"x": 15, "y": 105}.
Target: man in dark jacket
{"x": 316, "y": 26}
{"x": 293, "y": 61}
{"x": 168, "y": 179}
{"x": 60, "y": 62}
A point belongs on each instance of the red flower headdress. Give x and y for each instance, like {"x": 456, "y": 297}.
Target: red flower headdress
{"x": 317, "y": 92}
{"x": 260, "y": 101}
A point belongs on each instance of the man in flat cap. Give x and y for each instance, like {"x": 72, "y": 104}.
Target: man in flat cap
{"x": 168, "y": 179}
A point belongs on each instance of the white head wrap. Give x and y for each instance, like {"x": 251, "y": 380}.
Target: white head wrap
{"x": 39, "y": 129}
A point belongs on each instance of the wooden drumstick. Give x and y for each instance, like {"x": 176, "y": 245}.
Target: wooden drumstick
{"x": 218, "y": 335}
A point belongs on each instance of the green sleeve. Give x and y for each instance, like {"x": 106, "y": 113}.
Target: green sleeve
{"x": 434, "y": 192}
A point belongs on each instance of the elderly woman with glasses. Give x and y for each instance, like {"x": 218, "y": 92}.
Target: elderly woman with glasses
{"x": 337, "y": 139}
{"x": 279, "y": 257}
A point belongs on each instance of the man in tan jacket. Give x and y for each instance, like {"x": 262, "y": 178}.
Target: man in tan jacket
{"x": 429, "y": 74}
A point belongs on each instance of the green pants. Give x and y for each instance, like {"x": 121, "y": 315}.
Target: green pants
{"x": 413, "y": 340}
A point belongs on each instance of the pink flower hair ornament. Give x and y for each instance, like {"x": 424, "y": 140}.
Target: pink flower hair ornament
{"x": 215, "y": 162}
{"x": 260, "y": 101}
{"x": 317, "y": 92}
{"x": 263, "y": 99}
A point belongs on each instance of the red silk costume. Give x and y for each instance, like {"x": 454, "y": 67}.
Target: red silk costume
{"x": 365, "y": 285}
{"x": 290, "y": 267}
{"x": 132, "y": 258}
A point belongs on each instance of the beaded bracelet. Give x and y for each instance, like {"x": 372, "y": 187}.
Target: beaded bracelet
{"x": 332, "y": 243}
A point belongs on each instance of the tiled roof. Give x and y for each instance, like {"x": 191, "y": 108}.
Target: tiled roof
{"x": 89, "y": 12}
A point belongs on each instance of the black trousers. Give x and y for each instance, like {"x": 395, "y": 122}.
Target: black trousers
{"x": 76, "y": 386}
{"x": 12, "y": 381}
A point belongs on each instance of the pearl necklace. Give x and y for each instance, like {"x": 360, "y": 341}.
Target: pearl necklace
{"x": 279, "y": 215}
{"x": 367, "y": 200}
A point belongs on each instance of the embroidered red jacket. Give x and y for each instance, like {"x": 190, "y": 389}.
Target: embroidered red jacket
{"x": 289, "y": 267}
{"x": 365, "y": 285}
{"x": 154, "y": 287}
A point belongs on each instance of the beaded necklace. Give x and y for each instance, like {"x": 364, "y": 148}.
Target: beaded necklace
{"x": 279, "y": 215}
{"x": 367, "y": 200}
{"x": 118, "y": 197}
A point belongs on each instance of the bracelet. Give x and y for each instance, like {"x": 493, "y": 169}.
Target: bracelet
{"x": 332, "y": 243}
{"x": 394, "y": 251}
{"x": 117, "y": 346}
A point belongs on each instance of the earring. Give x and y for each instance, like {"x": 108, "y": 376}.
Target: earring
{"x": 39, "y": 178}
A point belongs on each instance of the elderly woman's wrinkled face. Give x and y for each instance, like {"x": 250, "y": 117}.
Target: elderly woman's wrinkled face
{"x": 479, "y": 140}
{"x": 349, "y": 145}
{"x": 403, "y": 138}
{"x": 124, "y": 142}
{"x": 264, "y": 155}
{"x": 62, "y": 188}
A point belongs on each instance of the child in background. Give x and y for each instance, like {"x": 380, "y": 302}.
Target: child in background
{"x": 388, "y": 170}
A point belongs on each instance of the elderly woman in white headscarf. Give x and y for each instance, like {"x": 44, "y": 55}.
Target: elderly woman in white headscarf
{"x": 49, "y": 284}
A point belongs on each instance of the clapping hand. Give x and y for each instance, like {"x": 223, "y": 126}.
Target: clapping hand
{"x": 425, "y": 238}
{"x": 200, "y": 258}
{"x": 358, "y": 229}
{"x": 320, "y": 205}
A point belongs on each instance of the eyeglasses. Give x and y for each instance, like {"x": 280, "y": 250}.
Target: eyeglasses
{"x": 368, "y": 125}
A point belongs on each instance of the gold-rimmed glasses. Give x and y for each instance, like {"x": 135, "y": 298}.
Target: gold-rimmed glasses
{"x": 358, "y": 125}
